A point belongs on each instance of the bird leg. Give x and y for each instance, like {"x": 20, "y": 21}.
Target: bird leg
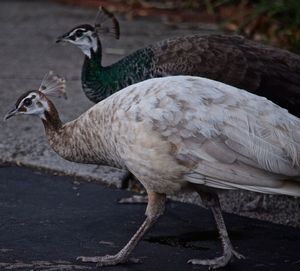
{"x": 260, "y": 203}
{"x": 155, "y": 209}
{"x": 212, "y": 201}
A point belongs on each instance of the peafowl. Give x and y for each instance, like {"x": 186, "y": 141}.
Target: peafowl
{"x": 231, "y": 59}
{"x": 234, "y": 60}
{"x": 179, "y": 132}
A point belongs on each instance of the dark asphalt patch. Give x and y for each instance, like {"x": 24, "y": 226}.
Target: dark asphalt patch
{"x": 47, "y": 221}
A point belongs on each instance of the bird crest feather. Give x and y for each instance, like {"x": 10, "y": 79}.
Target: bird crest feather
{"x": 53, "y": 85}
{"x": 106, "y": 23}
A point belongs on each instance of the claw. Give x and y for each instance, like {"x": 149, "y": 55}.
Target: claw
{"x": 134, "y": 260}
{"x": 85, "y": 259}
{"x": 238, "y": 255}
{"x": 217, "y": 262}
{"x": 107, "y": 260}
{"x": 211, "y": 263}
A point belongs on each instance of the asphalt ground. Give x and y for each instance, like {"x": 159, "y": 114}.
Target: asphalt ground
{"x": 47, "y": 221}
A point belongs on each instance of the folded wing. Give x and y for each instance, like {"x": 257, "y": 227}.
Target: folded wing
{"x": 229, "y": 138}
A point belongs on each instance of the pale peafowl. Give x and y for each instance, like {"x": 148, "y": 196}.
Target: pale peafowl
{"x": 180, "y": 132}
{"x": 234, "y": 60}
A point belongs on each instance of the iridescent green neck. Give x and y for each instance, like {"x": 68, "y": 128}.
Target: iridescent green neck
{"x": 99, "y": 82}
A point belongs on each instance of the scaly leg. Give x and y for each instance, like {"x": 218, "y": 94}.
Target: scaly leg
{"x": 155, "y": 209}
{"x": 229, "y": 253}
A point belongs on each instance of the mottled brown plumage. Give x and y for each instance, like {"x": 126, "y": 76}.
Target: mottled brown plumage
{"x": 260, "y": 69}
{"x": 181, "y": 132}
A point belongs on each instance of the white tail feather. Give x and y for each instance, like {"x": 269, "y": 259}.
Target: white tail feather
{"x": 284, "y": 187}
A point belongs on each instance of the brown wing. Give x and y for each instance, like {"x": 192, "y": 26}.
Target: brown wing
{"x": 258, "y": 68}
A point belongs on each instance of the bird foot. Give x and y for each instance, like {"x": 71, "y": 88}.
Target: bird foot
{"x": 107, "y": 260}
{"x": 256, "y": 205}
{"x": 218, "y": 262}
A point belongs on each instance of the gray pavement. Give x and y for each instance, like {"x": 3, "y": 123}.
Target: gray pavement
{"x": 28, "y": 51}
{"x": 47, "y": 221}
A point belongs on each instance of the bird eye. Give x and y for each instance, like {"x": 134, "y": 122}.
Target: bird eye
{"x": 27, "y": 102}
{"x": 79, "y": 33}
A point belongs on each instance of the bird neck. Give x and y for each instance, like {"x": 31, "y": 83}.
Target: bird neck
{"x": 94, "y": 58}
{"x": 85, "y": 139}
{"x": 99, "y": 82}
{"x": 51, "y": 118}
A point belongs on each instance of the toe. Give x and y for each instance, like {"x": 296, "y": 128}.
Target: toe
{"x": 238, "y": 255}
{"x": 212, "y": 263}
{"x": 209, "y": 262}
{"x": 87, "y": 259}
{"x": 109, "y": 260}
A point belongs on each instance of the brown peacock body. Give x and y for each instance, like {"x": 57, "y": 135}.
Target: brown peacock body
{"x": 234, "y": 60}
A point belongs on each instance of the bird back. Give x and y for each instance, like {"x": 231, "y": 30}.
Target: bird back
{"x": 216, "y": 134}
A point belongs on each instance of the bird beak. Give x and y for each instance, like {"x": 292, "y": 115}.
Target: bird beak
{"x": 62, "y": 38}
{"x": 11, "y": 113}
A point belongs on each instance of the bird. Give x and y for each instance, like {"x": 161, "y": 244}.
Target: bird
{"x": 175, "y": 133}
{"x": 232, "y": 59}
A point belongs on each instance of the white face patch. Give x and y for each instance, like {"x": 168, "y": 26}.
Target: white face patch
{"x": 86, "y": 42}
{"x": 34, "y": 105}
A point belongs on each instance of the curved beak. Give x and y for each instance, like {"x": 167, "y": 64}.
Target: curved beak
{"x": 11, "y": 113}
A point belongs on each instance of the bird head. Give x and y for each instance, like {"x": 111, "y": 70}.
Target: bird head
{"x": 32, "y": 102}
{"x": 85, "y": 36}
{"x": 35, "y": 102}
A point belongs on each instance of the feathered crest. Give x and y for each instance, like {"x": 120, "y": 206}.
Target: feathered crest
{"x": 53, "y": 85}
{"x": 106, "y": 23}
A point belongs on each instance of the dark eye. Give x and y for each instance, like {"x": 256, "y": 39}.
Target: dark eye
{"x": 79, "y": 33}
{"x": 27, "y": 102}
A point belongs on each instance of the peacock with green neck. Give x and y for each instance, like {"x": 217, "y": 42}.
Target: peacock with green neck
{"x": 99, "y": 82}
{"x": 234, "y": 60}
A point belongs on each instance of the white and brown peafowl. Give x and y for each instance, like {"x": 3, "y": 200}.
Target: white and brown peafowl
{"x": 234, "y": 60}
{"x": 260, "y": 69}
{"x": 180, "y": 132}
